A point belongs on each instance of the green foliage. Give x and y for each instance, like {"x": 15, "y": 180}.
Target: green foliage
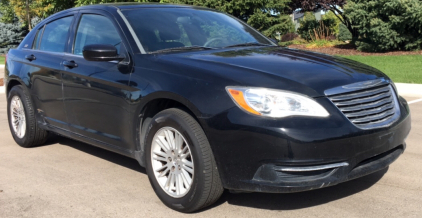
{"x": 11, "y": 34}
{"x": 386, "y": 25}
{"x": 344, "y": 33}
{"x": 307, "y": 25}
{"x": 270, "y": 24}
{"x": 8, "y": 14}
{"x": 333, "y": 22}
{"x": 309, "y": 16}
{"x": 311, "y": 29}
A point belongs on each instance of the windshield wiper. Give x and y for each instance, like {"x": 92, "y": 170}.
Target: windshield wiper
{"x": 189, "y": 48}
{"x": 248, "y": 44}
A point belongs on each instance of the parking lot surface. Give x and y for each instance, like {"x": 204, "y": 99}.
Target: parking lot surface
{"x": 66, "y": 178}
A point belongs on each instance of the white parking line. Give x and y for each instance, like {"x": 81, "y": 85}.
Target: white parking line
{"x": 414, "y": 101}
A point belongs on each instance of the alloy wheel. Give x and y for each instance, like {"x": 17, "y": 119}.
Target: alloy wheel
{"x": 172, "y": 162}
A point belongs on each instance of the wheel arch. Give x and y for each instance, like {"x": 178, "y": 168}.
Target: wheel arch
{"x": 12, "y": 83}
{"x": 152, "y": 105}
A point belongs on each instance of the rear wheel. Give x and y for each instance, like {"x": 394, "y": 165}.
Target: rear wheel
{"x": 180, "y": 163}
{"x": 22, "y": 122}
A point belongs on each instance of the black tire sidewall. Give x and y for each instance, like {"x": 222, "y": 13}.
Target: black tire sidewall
{"x": 18, "y": 91}
{"x": 192, "y": 197}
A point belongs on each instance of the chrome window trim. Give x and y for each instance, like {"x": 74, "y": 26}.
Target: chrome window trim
{"x": 132, "y": 32}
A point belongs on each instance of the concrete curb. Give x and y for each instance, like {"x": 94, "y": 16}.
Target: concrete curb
{"x": 409, "y": 90}
{"x": 2, "y": 89}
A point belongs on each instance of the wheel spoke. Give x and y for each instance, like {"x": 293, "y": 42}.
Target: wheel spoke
{"x": 190, "y": 170}
{"x": 164, "y": 172}
{"x": 168, "y": 182}
{"x": 188, "y": 163}
{"x": 179, "y": 183}
{"x": 161, "y": 168}
{"x": 170, "y": 139}
{"x": 179, "y": 142}
{"x": 186, "y": 178}
{"x": 163, "y": 143}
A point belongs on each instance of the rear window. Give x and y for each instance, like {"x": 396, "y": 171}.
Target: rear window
{"x": 55, "y": 35}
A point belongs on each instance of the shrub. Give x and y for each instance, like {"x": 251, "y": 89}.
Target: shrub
{"x": 344, "y": 33}
{"x": 311, "y": 29}
{"x": 333, "y": 22}
{"x": 289, "y": 37}
{"x": 386, "y": 25}
{"x": 11, "y": 34}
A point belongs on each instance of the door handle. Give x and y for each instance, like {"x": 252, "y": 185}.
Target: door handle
{"x": 70, "y": 64}
{"x": 30, "y": 57}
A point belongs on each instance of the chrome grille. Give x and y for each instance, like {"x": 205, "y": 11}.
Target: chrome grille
{"x": 367, "y": 107}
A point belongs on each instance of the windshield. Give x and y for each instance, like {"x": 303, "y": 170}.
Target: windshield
{"x": 166, "y": 28}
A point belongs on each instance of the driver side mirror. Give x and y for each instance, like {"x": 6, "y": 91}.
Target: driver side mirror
{"x": 101, "y": 52}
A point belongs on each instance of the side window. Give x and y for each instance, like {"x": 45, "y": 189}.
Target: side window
{"x": 96, "y": 29}
{"x": 55, "y": 35}
{"x": 36, "y": 43}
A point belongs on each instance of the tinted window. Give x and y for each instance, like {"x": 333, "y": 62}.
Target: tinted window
{"x": 55, "y": 35}
{"x": 96, "y": 29}
{"x": 37, "y": 39}
{"x": 161, "y": 28}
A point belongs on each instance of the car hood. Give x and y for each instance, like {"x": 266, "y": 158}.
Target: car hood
{"x": 280, "y": 68}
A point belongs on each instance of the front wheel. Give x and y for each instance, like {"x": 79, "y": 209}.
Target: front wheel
{"x": 180, "y": 163}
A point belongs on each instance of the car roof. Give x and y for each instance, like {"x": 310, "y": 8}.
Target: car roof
{"x": 129, "y": 5}
{"x": 132, "y": 5}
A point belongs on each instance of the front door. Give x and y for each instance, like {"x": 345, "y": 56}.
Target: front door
{"x": 96, "y": 93}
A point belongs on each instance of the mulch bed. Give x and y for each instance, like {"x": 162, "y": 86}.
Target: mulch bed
{"x": 1, "y": 82}
{"x": 351, "y": 50}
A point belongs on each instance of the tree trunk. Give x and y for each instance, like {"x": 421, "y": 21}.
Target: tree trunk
{"x": 28, "y": 15}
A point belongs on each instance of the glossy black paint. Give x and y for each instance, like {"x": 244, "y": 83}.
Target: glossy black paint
{"x": 105, "y": 103}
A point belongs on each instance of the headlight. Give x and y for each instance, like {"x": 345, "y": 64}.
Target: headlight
{"x": 275, "y": 103}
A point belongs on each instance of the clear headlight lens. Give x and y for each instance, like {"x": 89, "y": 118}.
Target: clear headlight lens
{"x": 275, "y": 103}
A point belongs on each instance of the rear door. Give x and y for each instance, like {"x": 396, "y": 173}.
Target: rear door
{"x": 96, "y": 94}
{"x": 42, "y": 66}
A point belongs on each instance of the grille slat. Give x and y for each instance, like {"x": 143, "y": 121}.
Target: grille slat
{"x": 374, "y": 117}
{"x": 363, "y": 100}
{"x": 359, "y": 95}
{"x": 367, "y": 108}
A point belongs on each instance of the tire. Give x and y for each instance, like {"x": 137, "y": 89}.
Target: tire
{"x": 30, "y": 135}
{"x": 205, "y": 187}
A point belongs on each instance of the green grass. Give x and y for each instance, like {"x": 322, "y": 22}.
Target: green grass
{"x": 1, "y": 60}
{"x": 402, "y": 69}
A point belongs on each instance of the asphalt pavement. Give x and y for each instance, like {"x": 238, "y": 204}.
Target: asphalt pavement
{"x": 66, "y": 178}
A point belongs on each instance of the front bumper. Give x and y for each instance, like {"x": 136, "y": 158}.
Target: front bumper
{"x": 253, "y": 153}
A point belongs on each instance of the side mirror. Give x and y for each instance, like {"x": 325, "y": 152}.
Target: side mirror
{"x": 101, "y": 52}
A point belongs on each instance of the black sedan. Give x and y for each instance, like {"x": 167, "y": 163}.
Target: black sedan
{"x": 203, "y": 101}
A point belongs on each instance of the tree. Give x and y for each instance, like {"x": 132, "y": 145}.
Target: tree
{"x": 330, "y": 5}
{"x": 26, "y": 10}
{"x": 386, "y": 25}
{"x": 11, "y": 34}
